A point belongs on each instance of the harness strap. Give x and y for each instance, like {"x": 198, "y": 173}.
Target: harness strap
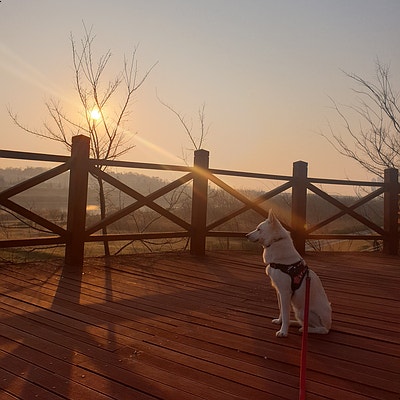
{"x": 297, "y": 272}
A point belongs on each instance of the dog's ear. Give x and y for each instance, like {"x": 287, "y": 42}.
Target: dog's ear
{"x": 271, "y": 216}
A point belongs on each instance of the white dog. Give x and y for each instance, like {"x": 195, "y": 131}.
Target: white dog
{"x": 286, "y": 269}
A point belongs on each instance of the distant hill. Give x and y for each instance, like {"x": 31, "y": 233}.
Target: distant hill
{"x": 13, "y": 176}
{"x": 53, "y": 193}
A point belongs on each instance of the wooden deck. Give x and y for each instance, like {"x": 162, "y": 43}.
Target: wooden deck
{"x": 178, "y": 327}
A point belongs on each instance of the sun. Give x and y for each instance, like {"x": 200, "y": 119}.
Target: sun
{"x": 95, "y": 114}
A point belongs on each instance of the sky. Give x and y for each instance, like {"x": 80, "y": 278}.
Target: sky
{"x": 264, "y": 69}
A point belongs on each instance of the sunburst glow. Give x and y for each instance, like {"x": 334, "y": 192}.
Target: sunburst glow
{"x": 157, "y": 149}
{"x": 95, "y": 114}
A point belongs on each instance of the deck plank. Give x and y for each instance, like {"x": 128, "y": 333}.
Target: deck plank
{"x": 174, "y": 326}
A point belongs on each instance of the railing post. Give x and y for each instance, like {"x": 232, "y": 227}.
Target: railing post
{"x": 77, "y": 201}
{"x": 391, "y": 211}
{"x": 199, "y": 203}
{"x": 299, "y": 205}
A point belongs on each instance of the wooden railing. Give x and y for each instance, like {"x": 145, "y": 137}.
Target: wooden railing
{"x": 76, "y": 234}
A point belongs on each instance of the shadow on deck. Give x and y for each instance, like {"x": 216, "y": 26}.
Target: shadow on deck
{"x": 172, "y": 326}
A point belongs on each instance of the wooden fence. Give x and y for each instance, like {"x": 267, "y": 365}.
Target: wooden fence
{"x": 76, "y": 233}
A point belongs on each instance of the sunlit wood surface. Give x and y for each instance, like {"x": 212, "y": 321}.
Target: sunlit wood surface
{"x": 172, "y": 326}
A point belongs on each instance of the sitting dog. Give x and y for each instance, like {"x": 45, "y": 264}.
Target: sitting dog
{"x": 287, "y": 270}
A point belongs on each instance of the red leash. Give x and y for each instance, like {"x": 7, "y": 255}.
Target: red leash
{"x": 304, "y": 342}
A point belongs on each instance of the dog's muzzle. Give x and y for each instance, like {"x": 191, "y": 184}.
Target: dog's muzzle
{"x": 251, "y": 237}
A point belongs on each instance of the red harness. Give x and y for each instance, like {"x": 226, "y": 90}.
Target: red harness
{"x": 297, "y": 272}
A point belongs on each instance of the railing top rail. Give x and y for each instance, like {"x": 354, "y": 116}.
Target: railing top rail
{"x": 244, "y": 174}
{"x": 180, "y": 168}
{"x": 344, "y": 182}
{"x": 23, "y": 155}
{"x": 140, "y": 165}
{"x": 328, "y": 181}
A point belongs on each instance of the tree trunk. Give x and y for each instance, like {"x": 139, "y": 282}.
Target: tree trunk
{"x": 102, "y": 199}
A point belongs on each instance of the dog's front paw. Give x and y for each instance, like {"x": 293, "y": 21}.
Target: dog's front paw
{"x": 277, "y": 321}
{"x": 281, "y": 333}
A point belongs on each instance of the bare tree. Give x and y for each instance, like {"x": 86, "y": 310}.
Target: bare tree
{"x": 196, "y": 141}
{"x": 105, "y": 107}
{"x": 375, "y": 141}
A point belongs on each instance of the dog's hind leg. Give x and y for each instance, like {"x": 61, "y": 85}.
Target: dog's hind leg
{"x": 320, "y": 330}
{"x": 315, "y": 325}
